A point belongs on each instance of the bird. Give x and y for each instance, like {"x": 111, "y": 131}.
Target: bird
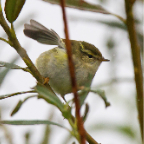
{"x": 53, "y": 64}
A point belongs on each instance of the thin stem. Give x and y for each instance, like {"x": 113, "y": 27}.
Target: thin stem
{"x": 21, "y": 51}
{"x": 73, "y": 78}
{"x": 6, "y": 41}
{"x": 88, "y": 136}
{"x": 15, "y": 94}
{"x": 74, "y": 128}
{"x": 119, "y": 17}
{"x": 33, "y": 96}
{"x": 0, "y": 7}
{"x": 135, "y": 49}
{"x": 90, "y": 139}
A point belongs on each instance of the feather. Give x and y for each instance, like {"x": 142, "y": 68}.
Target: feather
{"x": 43, "y": 35}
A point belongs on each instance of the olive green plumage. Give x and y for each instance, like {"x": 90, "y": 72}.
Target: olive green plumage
{"x": 54, "y": 63}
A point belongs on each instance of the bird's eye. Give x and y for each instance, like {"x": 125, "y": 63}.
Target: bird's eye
{"x": 90, "y": 56}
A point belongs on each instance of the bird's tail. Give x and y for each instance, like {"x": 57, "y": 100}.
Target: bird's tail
{"x": 43, "y": 35}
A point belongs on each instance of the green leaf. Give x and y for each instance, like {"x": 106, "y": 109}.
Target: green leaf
{"x": 16, "y": 109}
{"x": 3, "y": 75}
{"x": 83, "y": 5}
{"x": 82, "y": 96}
{"x": 101, "y": 93}
{"x": 114, "y": 24}
{"x": 86, "y": 112}
{"x": 13, "y": 8}
{"x": 30, "y": 122}
{"x": 19, "y": 105}
{"x": 84, "y": 93}
{"x": 9, "y": 65}
{"x": 4, "y": 72}
{"x": 49, "y": 96}
{"x": 12, "y": 66}
{"x": 66, "y": 111}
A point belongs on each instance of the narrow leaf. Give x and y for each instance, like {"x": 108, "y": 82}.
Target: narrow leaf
{"x": 30, "y": 122}
{"x": 3, "y": 75}
{"x": 12, "y": 66}
{"x": 83, "y": 5}
{"x": 9, "y": 65}
{"x": 114, "y": 24}
{"x": 19, "y": 105}
{"x": 101, "y": 93}
{"x": 86, "y": 112}
{"x": 4, "y": 72}
{"x": 13, "y": 8}
{"x": 84, "y": 93}
{"x": 82, "y": 96}
{"x": 49, "y": 96}
{"x": 16, "y": 109}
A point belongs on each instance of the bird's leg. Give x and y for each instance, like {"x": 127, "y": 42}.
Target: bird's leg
{"x": 81, "y": 87}
{"x": 46, "y": 80}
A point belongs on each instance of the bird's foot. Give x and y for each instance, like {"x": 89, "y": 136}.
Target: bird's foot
{"x": 46, "y": 80}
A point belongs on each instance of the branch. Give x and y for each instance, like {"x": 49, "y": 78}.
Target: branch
{"x": 5, "y": 40}
{"x": 135, "y": 49}
{"x": 15, "y": 94}
{"x": 90, "y": 139}
{"x": 73, "y": 78}
{"x": 20, "y": 50}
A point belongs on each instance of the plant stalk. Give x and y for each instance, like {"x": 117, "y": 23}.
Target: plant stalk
{"x": 135, "y": 50}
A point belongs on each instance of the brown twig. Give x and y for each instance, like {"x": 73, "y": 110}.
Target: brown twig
{"x": 73, "y": 78}
{"x": 135, "y": 49}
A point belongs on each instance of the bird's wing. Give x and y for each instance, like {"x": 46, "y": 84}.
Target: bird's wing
{"x": 43, "y": 35}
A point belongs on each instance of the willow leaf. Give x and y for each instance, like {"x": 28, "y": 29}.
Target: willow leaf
{"x": 83, "y": 5}
{"x": 49, "y": 96}
{"x": 29, "y": 122}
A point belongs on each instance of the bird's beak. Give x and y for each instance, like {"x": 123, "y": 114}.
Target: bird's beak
{"x": 105, "y": 60}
